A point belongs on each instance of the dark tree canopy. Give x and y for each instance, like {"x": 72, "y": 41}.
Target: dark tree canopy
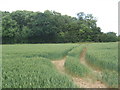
{"x": 51, "y": 27}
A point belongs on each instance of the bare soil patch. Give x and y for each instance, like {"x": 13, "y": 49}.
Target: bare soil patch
{"x": 60, "y": 64}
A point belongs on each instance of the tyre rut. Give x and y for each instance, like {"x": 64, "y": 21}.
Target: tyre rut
{"x": 86, "y": 82}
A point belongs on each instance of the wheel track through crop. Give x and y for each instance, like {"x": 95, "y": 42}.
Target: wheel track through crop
{"x": 86, "y": 82}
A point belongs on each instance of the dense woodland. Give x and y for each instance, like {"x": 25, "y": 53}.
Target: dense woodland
{"x": 51, "y": 27}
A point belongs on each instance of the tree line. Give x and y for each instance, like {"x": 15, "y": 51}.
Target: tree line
{"x": 23, "y": 26}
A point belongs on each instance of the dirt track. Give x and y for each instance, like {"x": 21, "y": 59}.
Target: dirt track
{"x": 81, "y": 82}
{"x": 60, "y": 65}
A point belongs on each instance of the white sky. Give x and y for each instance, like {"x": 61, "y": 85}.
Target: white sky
{"x": 106, "y": 11}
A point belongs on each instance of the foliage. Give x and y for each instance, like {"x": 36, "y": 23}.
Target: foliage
{"x": 9, "y": 29}
{"x": 51, "y": 27}
{"x": 119, "y": 38}
{"x": 108, "y": 37}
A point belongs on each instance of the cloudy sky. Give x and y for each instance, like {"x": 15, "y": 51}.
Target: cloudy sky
{"x": 106, "y": 11}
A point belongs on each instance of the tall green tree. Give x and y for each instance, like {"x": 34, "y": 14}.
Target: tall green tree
{"x": 51, "y": 27}
{"x": 9, "y": 29}
{"x": 119, "y": 38}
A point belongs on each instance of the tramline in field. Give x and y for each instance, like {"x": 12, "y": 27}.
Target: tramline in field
{"x": 30, "y": 66}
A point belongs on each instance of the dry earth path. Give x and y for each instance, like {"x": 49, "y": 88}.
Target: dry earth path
{"x": 85, "y": 82}
{"x": 60, "y": 65}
